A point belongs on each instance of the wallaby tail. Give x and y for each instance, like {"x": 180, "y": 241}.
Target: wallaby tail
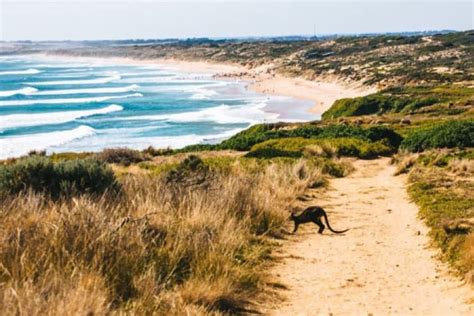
{"x": 329, "y": 226}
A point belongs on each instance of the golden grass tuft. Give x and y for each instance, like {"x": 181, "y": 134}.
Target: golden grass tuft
{"x": 468, "y": 257}
{"x": 404, "y": 162}
{"x": 461, "y": 167}
{"x": 155, "y": 249}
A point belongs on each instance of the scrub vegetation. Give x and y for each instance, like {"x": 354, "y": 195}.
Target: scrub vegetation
{"x": 192, "y": 238}
{"x": 191, "y": 231}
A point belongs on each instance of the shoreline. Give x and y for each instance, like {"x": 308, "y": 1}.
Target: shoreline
{"x": 322, "y": 92}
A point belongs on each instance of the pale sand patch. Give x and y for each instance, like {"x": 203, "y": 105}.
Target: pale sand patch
{"x": 384, "y": 265}
{"x": 323, "y": 93}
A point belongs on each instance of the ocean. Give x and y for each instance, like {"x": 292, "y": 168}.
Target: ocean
{"x": 62, "y": 105}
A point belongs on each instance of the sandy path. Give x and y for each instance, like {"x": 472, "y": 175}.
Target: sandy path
{"x": 383, "y": 265}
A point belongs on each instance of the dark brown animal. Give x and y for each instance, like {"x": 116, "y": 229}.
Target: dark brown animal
{"x": 313, "y": 214}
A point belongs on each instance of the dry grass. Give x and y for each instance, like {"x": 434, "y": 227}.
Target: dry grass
{"x": 468, "y": 257}
{"x": 404, "y": 162}
{"x": 157, "y": 249}
{"x": 462, "y": 167}
{"x": 440, "y": 183}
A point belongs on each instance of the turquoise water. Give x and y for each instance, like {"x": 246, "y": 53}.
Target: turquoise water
{"x": 69, "y": 105}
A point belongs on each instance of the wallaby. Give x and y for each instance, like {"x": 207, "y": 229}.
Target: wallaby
{"x": 313, "y": 214}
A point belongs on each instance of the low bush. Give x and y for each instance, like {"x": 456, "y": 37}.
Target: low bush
{"x": 123, "y": 156}
{"x": 372, "y": 104}
{"x": 326, "y": 147}
{"x": 260, "y": 133}
{"x": 66, "y": 178}
{"x": 57, "y": 157}
{"x": 191, "y": 172}
{"x": 272, "y": 153}
{"x": 446, "y": 135}
{"x": 400, "y": 100}
{"x": 249, "y": 137}
{"x": 196, "y": 147}
{"x": 153, "y": 152}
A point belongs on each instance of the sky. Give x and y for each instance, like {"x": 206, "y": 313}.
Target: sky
{"x": 130, "y": 19}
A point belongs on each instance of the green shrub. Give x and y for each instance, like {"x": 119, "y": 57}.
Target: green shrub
{"x": 89, "y": 176}
{"x": 353, "y": 147}
{"x": 385, "y": 135}
{"x": 292, "y": 144}
{"x": 263, "y": 132}
{"x": 36, "y": 173}
{"x": 333, "y": 169}
{"x": 196, "y": 147}
{"x": 371, "y": 104}
{"x": 56, "y": 157}
{"x": 192, "y": 171}
{"x": 447, "y": 135}
{"x": 247, "y": 138}
{"x": 123, "y": 156}
{"x": 153, "y": 152}
{"x": 400, "y": 100}
{"x": 272, "y": 153}
{"x": 66, "y": 178}
{"x": 340, "y": 147}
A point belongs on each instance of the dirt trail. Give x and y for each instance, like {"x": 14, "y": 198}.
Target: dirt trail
{"x": 383, "y": 265}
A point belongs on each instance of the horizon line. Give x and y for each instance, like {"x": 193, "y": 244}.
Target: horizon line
{"x": 243, "y": 37}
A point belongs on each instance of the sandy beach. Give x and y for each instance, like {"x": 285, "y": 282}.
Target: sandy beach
{"x": 323, "y": 92}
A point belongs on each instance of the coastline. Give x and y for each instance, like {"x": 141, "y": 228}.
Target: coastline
{"x": 321, "y": 92}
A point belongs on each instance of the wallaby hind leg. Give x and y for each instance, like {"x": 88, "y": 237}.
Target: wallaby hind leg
{"x": 318, "y": 222}
{"x": 296, "y": 228}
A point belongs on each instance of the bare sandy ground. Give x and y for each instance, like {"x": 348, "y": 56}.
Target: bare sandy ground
{"x": 322, "y": 93}
{"x": 383, "y": 265}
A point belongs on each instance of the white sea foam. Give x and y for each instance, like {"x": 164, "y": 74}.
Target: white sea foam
{"x": 223, "y": 114}
{"x": 203, "y": 94}
{"x": 23, "y": 91}
{"x": 66, "y": 101}
{"x": 89, "y": 91}
{"x": 174, "y": 141}
{"x": 180, "y": 141}
{"x": 69, "y": 66}
{"x": 30, "y": 71}
{"x": 163, "y": 79}
{"x": 15, "y": 146}
{"x": 67, "y": 75}
{"x": 131, "y": 137}
{"x": 75, "y": 82}
{"x": 200, "y": 90}
{"x": 21, "y": 120}
{"x": 148, "y": 73}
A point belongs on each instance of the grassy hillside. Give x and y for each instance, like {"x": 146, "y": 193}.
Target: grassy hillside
{"x": 178, "y": 235}
{"x": 447, "y": 100}
{"x": 370, "y": 60}
{"x": 191, "y": 231}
